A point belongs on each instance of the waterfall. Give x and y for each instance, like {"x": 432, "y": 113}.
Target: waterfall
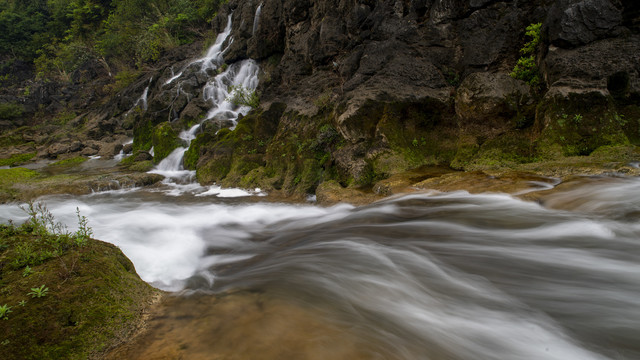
{"x": 121, "y": 155}
{"x": 143, "y": 98}
{"x": 175, "y": 76}
{"x": 171, "y": 166}
{"x": 240, "y": 76}
{"x": 213, "y": 59}
{"x": 256, "y": 19}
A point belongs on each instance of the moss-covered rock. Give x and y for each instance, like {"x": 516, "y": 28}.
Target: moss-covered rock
{"x": 578, "y": 122}
{"x": 164, "y": 140}
{"x": 17, "y": 159}
{"x": 497, "y": 101}
{"x": 10, "y": 177}
{"x": 142, "y": 166}
{"x": 142, "y": 135}
{"x": 70, "y": 162}
{"x": 94, "y": 298}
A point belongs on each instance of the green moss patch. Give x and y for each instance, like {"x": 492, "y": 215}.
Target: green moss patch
{"x": 10, "y": 176}
{"x": 142, "y": 166}
{"x": 70, "y": 162}
{"x": 17, "y": 159}
{"x": 579, "y": 124}
{"x": 165, "y": 140}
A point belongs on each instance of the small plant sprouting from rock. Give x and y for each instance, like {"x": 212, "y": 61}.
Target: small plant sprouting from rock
{"x": 84, "y": 232}
{"x": 577, "y": 118}
{"x": 27, "y": 271}
{"x": 22, "y": 303}
{"x": 52, "y": 238}
{"x": 42, "y": 220}
{"x": 526, "y": 68}
{"x": 39, "y": 292}
{"x": 241, "y": 96}
{"x": 4, "y": 312}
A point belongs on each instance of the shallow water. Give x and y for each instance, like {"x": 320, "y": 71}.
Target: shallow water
{"x": 422, "y": 276}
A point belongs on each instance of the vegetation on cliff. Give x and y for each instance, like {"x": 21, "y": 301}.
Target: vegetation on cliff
{"x": 63, "y": 294}
{"x": 59, "y": 35}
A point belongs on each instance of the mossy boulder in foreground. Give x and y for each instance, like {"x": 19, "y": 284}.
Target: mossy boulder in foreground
{"x": 94, "y": 299}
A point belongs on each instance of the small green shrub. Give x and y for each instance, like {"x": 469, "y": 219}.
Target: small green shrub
{"x": 526, "y": 68}
{"x": 53, "y": 238}
{"x": 84, "y": 232}
{"x": 534, "y": 32}
{"x": 240, "y": 96}
{"x": 123, "y": 79}
{"x": 63, "y": 117}
{"x": 42, "y": 221}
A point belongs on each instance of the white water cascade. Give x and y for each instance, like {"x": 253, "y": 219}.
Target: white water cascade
{"x": 121, "y": 155}
{"x": 213, "y": 58}
{"x": 143, "y": 98}
{"x": 256, "y": 19}
{"x": 421, "y": 276}
{"x": 240, "y": 76}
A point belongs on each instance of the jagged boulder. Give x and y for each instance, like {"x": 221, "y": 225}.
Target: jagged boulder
{"x": 64, "y": 148}
{"x": 195, "y": 111}
{"x": 611, "y": 65}
{"x": 573, "y": 23}
{"x": 496, "y": 101}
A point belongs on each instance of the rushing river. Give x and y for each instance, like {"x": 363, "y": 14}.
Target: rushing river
{"x": 422, "y": 276}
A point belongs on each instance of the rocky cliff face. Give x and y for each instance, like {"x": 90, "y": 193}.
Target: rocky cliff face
{"x": 357, "y": 90}
{"x": 408, "y": 83}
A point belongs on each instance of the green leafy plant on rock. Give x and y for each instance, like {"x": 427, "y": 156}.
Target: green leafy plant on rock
{"x": 526, "y": 68}
{"x": 84, "y": 232}
{"x": 4, "y": 312}
{"x": 27, "y": 271}
{"x": 38, "y": 292}
{"x": 241, "y": 96}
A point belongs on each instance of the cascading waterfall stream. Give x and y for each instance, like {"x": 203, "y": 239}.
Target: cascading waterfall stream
{"x": 241, "y": 76}
{"x": 213, "y": 58}
{"x": 256, "y": 19}
{"x": 143, "y": 97}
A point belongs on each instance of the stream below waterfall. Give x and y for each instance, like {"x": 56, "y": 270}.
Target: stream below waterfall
{"x": 420, "y": 276}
